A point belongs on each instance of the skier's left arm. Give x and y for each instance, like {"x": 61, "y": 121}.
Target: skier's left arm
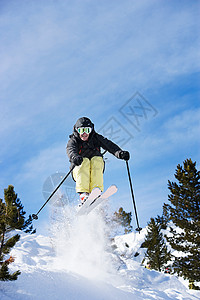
{"x": 113, "y": 148}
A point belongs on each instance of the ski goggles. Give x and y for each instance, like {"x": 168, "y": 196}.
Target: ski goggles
{"x": 81, "y": 130}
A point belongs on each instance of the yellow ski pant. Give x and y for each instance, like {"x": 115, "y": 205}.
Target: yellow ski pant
{"x": 89, "y": 174}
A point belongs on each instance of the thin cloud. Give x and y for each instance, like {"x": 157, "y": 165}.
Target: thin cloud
{"x": 48, "y": 161}
{"x": 179, "y": 134}
{"x": 64, "y": 59}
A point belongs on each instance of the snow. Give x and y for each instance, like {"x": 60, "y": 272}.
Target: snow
{"x": 78, "y": 261}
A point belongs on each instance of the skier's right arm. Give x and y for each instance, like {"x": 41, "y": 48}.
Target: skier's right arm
{"x": 72, "y": 152}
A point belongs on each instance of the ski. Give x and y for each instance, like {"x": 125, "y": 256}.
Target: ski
{"x": 108, "y": 193}
{"x": 95, "y": 201}
{"x": 96, "y": 192}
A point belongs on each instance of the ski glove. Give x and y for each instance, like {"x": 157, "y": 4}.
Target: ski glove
{"x": 77, "y": 160}
{"x": 124, "y": 155}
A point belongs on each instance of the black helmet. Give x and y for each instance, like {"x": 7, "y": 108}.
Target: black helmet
{"x": 84, "y": 122}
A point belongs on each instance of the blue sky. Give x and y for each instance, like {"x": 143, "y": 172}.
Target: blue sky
{"x": 131, "y": 66}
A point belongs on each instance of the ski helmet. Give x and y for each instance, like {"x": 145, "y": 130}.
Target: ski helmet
{"x": 84, "y": 122}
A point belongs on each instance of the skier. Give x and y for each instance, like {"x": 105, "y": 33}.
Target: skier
{"x": 83, "y": 150}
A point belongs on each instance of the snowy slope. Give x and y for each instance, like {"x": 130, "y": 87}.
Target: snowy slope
{"x": 78, "y": 261}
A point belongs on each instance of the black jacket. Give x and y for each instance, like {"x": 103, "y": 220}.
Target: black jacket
{"x": 90, "y": 148}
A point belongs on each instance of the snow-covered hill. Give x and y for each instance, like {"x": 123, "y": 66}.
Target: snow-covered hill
{"x": 77, "y": 261}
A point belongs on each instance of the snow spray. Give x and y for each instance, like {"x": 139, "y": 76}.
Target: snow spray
{"x": 81, "y": 244}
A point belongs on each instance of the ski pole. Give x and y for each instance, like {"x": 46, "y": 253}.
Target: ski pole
{"x": 134, "y": 205}
{"x": 35, "y": 216}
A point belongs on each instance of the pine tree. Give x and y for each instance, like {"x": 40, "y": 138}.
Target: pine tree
{"x": 18, "y": 213}
{"x": 162, "y": 221}
{"x": 124, "y": 219}
{"x": 12, "y": 216}
{"x": 184, "y": 212}
{"x": 157, "y": 254}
